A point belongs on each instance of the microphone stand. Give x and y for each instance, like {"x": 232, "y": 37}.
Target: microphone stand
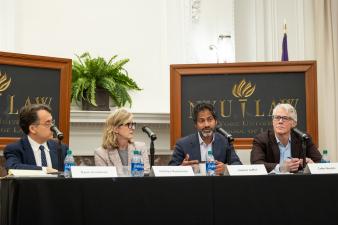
{"x": 228, "y": 153}
{"x": 152, "y": 152}
{"x": 304, "y": 152}
{"x": 59, "y": 153}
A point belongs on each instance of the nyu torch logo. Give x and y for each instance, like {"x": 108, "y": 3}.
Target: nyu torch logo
{"x": 242, "y": 91}
{"x": 4, "y": 82}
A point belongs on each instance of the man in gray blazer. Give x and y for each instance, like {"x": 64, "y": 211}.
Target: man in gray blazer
{"x": 193, "y": 148}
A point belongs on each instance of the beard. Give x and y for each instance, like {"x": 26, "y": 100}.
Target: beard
{"x": 206, "y": 132}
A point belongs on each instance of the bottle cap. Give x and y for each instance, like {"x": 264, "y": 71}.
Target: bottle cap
{"x": 325, "y": 151}
{"x": 209, "y": 151}
{"x": 136, "y": 152}
{"x": 69, "y": 152}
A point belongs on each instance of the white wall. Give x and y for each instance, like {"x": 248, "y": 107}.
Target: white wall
{"x": 131, "y": 29}
{"x": 259, "y": 29}
{"x": 155, "y": 34}
{"x": 152, "y": 33}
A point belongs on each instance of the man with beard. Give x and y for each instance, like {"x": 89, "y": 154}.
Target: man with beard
{"x": 280, "y": 149}
{"x": 193, "y": 148}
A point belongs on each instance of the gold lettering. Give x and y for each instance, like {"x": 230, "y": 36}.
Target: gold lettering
{"x": 243, "y": 105}
{"x": 258, "y": 114}
{"x": 11, "y": 105}
{"x": 222, "y": 108}
{"x": 16, "y": 130}
{"x": 191, "y": 109}
{"x": 43, "y": 100}
{"x": 192, "y": 106}
{"x": 28, "y": 101}
{"x": 4, "y": 130}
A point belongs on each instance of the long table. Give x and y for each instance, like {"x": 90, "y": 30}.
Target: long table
{"x": 271, "y": 199}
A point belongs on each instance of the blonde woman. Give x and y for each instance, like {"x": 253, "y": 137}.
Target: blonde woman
{"x": 117, "y": 145}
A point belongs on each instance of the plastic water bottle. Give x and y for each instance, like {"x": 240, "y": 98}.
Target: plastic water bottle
{"x": 325, "y": 157}
{"x": 210, "y": 164}
{"x": 137, "y": 166}
{"x": 69, "y": 162}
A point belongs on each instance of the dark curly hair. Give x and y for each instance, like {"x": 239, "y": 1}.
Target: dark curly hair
{"x": 201, "y": 107}
{"x": 28, "y": 115}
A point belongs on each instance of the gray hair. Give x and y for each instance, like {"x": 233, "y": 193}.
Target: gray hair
{"x": 287, "y": 107}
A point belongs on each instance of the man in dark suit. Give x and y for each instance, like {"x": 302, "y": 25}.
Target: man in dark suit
{"x": 280, "y": 149}
{"x": 193, "y": 148}
{"x": 36, "y": 150}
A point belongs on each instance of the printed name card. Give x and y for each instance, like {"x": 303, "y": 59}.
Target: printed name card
{"x": 29, "y": 173}
{"x": 93, "y": 171}
{"x": 321, "y": 168}
{"x": 242, "y": 170}
{"x": 172, "y": 171}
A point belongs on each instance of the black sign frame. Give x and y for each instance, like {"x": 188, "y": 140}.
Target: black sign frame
{"x": 178, "y": 73}
{"x": 63, "y": 69}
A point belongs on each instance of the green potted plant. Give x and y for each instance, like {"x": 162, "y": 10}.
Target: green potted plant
{"x": 95, "y": 79}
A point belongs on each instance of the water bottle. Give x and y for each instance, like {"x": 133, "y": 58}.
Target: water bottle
{"x": 210, "y": 164}
{"x": 325, "y": 157}
{"x": 69, "y": 162}
{"x": 137, "y": 166}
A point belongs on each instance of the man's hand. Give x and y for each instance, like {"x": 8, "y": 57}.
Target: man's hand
{"x": 220, "y": 167}
{"x": 187, "y": 162}
{"x": 290, "y": 165}
{"x": 51, "y": 170}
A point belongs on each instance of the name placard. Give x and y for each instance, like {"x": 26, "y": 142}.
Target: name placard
{"x": 93, "y": 171}
{"x": 29, "y": 173}
{"x": 321, "y": 168}
{"x": 172, "y": 171}
{"x": 241, "y": 170}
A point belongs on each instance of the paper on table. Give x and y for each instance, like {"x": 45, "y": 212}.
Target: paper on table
{"x": 29, "y": 173}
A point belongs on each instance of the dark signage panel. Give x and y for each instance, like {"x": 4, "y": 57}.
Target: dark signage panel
{"x": 29, "y": 79}
{"x": 243, "y": 102}
{"x": 22, "y": 86}
{"x": 244, "y": 95}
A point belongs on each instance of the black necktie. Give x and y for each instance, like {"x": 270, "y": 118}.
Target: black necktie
{"x": 43, "y": 156}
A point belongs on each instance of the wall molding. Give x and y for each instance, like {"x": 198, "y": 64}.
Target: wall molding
{"x": 80, "y": 116}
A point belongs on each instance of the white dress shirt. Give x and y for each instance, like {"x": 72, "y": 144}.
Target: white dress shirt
{"x": 284, "y": 153}
{"x": 37, "y": 152}
{"x": 204, "y": 147}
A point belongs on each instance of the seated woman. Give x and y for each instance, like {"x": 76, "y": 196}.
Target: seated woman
{"x": 117, "y": 146}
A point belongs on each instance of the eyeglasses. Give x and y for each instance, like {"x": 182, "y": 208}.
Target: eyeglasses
{"x": 47, "y": 124}
{"x": 283, "y": 118}
{"x": 131, "y": 125}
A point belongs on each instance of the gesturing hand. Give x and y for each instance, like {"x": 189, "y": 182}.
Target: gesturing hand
{"x": 187, "y": 162}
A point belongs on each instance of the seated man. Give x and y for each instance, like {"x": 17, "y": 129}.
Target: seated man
{"x": 193, "y": 148}
{"x": 280, "y": 149}
{"x": 34, "y": 151}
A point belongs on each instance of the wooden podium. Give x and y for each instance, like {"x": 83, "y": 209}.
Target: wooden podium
{"x": 244, "y": 95}
{"x": 29, "y": 79}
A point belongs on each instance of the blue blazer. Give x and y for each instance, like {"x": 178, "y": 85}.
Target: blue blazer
{"x": 190, "y": 145}
{"x": 20, "y": 155}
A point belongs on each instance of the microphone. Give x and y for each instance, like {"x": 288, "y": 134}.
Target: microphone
{"x": 57, "y": 132}
{"x": 151, "y": 134}
{"x": 304, "y": 136}
{"x": 225, "y": 134}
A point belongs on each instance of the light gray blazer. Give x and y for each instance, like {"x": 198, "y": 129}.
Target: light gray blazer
{"x": 111, "y": 157}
